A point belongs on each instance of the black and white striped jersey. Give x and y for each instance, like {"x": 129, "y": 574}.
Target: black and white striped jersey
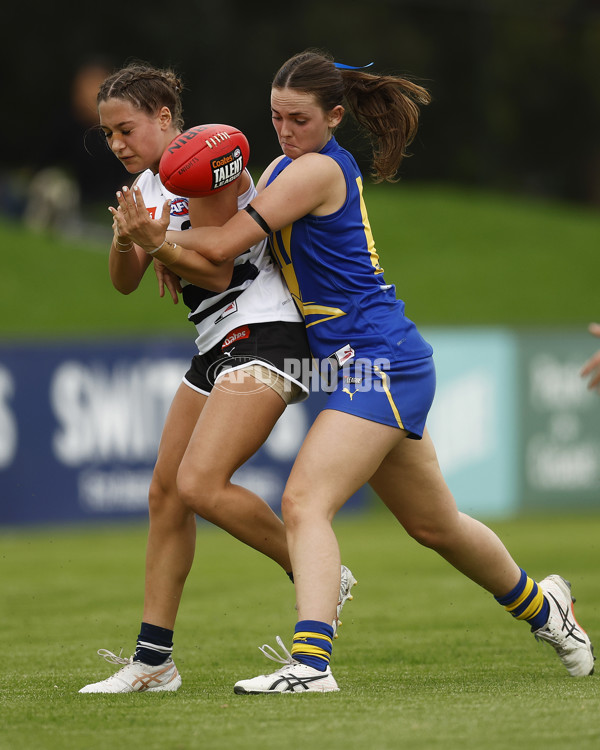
{"x": 257, "y": 292}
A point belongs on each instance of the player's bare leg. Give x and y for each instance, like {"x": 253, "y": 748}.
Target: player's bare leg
{"x": 219, "y": 433}
{"x": 238, "y": 417}
{"x": 169, "y": 557}
{"x": 338, "y": 456}
{"x": 327, "y": 471}
{"x": 172, "y": 527}
{"x": 410, "y": 483}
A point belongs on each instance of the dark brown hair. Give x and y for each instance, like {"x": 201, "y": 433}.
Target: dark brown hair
{"x": 386, "y": 106}
{"x": 147, "y": 88}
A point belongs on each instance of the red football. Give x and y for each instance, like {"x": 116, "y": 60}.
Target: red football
{"x": 204, "y": 160}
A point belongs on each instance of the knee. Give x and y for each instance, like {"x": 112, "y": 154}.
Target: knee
{"x": 199, "y": 490}
{"x": 187, "y": 489}
{"x": 291, "y": 509}
{"x": 164, "y": 504}
{"x": 158, "y": 495}
{"x": 429, "y": 535}
{"x": 298, "y": 507}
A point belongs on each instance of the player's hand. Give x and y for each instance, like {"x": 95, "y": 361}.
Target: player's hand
{"x": 167, "y": 279}
{"x": 592, "y": 366}
{"x": 132, "y": 219}
{"x": 121, "y": 240}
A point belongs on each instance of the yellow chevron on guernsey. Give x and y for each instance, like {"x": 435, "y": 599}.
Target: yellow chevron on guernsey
{"x": 287, "y": 268}
{"x": 326, "y": 313}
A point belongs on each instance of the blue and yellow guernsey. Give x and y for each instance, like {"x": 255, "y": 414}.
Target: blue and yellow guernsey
{"x": 332, "y": 270}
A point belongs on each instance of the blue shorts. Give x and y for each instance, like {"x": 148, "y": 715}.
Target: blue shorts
{"x": 398, "y": 394}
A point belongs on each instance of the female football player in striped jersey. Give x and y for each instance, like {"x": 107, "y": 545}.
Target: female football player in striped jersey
{"x": 238, "y": 384}
{"x": 372, "y": 428}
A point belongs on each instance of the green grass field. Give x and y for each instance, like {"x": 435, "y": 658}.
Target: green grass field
{"x": 425, "y": 659}
{"x": 457, "y": 257}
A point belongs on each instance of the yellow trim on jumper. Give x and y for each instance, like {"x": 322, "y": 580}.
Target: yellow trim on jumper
{"x": 286, "y": 266}
{"x": 368, "y": 233}
{"x": 310, "y": 308}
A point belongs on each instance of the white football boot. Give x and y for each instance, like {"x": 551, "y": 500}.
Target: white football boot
{"x": 291, "y": 678}
{"x": 347, "y": 581}
{"x": 136, "y": 677}
{"x": 562, "y": 631}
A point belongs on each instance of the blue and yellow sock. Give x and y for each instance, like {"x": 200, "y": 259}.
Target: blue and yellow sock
{"x": 526, "y": 602}
{"x": 313, "y": 643}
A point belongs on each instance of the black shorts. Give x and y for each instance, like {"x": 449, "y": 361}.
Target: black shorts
{"x": 277, "y": 346}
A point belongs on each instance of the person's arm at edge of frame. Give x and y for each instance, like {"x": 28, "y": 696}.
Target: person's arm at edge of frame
{"x": 592, "y": 366}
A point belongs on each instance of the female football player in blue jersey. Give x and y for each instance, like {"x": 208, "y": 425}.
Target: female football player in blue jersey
{"x": 246, "y": 325}
{"x": 372, "y": 429}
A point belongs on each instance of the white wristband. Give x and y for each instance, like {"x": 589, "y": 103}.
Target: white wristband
{"x": 156, "y": 249}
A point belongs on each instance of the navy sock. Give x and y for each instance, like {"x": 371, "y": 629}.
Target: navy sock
{"x": 154, "y": 644}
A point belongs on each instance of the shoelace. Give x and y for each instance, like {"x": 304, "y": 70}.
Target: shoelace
{"x": 273, "y": 655}
{"x": 112, "y": 658}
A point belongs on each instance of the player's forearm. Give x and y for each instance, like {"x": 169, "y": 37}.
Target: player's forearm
{"x": 126, "y": 266}
{"x": 204, "y": 241}
{"x": 192, "y": 266}
{"x": 223, "y": 244}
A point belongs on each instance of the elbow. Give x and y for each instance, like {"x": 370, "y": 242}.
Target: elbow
{"x": 215, "y": 256}
{"x": 124, "y": 288}
{"x": 214, "y": 251}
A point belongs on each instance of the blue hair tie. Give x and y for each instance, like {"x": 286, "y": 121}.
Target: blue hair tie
{"x": 352, "y": 67}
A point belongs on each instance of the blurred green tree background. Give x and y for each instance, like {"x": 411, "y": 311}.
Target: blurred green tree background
{"x": 515, "y": 83}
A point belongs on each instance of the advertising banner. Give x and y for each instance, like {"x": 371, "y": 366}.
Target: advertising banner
{"x": 473, "y": 420}
{"x": 560, "y": 422}
{"x": 513, "y": 424}
{"x": 80, "y": 426}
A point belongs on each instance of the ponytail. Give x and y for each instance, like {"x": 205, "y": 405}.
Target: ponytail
{"x": 387, "y": 107}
